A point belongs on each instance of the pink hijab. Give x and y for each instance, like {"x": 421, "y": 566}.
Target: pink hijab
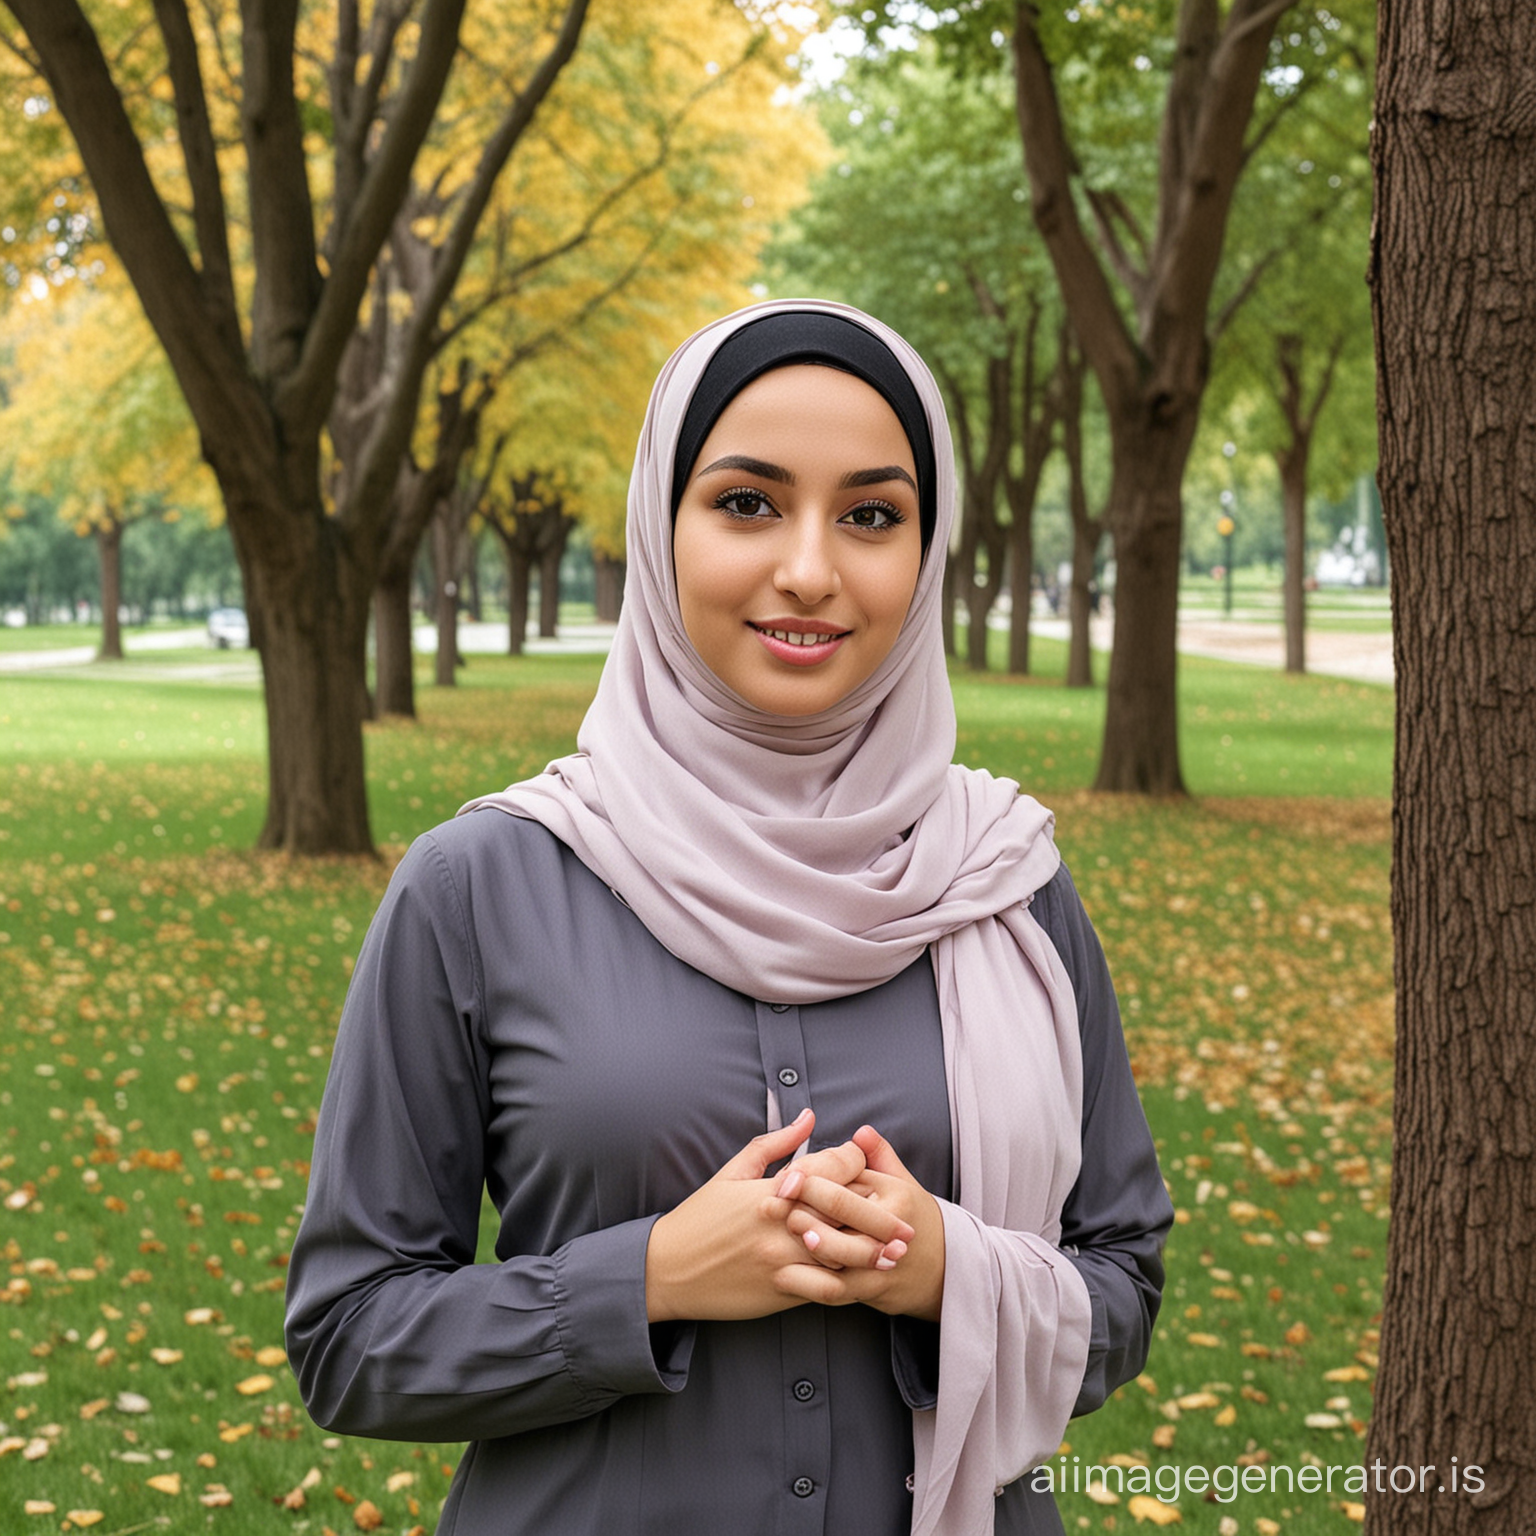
{"x": 692, "y": 804}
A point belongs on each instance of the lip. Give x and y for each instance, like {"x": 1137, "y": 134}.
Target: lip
{"x": 796, "y": 654}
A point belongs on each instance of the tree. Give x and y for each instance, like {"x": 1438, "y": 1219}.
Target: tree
{"x": 96, "y": 422}
{"x": 1454, "y": 271}
{"x": 1295, "y": 371}
{"x": 1134, "y": 217}
{"x": 258, "y": 362}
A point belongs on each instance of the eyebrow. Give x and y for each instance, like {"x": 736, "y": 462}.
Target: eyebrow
{"x": 768, "y": 471}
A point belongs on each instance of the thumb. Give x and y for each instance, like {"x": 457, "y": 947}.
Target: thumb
{"x": 754, "y": 1159}
{"x": 879, "y": 1155}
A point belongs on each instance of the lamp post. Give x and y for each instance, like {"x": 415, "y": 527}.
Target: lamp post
{"x": 1226, "y": 528}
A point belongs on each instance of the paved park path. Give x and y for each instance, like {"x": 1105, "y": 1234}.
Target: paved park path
{"x": 1363, "y": 657}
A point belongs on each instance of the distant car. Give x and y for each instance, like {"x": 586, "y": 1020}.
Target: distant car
{"x": 228, "y": 629}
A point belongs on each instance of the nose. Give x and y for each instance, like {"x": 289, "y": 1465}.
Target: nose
{"x": 807, "y": 568}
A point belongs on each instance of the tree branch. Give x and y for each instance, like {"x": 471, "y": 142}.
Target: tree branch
{"x": 200, "y": 155}
{"x": 304, "y": 397}
{"x": 1048, "y": 160}
{"x": 421, "y": 339}
{"x": 214, "y": 379}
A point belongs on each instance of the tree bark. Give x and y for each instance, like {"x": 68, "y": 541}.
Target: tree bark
{"x": 549, "y": 585}
{"x": 1087, "y": 530}
{"x": 447, "y": 565}
{"x": 519, "y": 576}
{"x": 1141, "y": 756}
{"x": 609, "y": 580}
{"x": 109, "y": 549}
{"x": 1291, "y": 462}
{"x": 1454, "y": 292}
{"x": 312, "y": 641}
{"x": 1292, "y": 458}
{"x": 394, "y": 686}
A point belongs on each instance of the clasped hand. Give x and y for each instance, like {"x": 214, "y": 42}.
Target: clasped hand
{"x": 845, "y": 1224}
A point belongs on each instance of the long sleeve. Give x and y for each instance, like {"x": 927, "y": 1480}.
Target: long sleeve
{"x": 1117, "y": 1216}
{"x": 393, "y": 1329}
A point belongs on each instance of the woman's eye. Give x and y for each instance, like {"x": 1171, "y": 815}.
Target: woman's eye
{"x": 874, "y": 514}
{"x": 746, "y": 505}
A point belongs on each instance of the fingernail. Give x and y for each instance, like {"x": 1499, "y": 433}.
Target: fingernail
{"x": 893, "y": 1250}
{"x": 802, "y": 1115}
{"x": 789, "y": 1184}
{"x": 812, "y": 1241}
{"x": 884, "y": 1263}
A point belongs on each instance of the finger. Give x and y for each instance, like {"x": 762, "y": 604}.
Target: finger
{"x": 841, "y": 1164}
{"x": 879, "y": 1155}
{"x": 759, "y": 1154}
{"x": 834, "y": 1248}
{"x": 810, "y": 1282}
{"x": 838, "y": 1206}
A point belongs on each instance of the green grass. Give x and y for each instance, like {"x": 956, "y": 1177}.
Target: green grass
{"x": 167, "y": 1002}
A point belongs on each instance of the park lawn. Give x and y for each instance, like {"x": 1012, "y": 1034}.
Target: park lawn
{"x": 168, "y": 1000}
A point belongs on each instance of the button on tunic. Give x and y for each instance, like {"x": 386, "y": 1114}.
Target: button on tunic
{"x": 513, "y": 1027}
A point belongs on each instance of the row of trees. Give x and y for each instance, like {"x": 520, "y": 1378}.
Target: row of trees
{"x": 357, "y": 231}
{"x": 362, "y": 241}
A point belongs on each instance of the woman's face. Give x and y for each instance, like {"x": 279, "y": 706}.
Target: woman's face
{"x": 797, "y": 545}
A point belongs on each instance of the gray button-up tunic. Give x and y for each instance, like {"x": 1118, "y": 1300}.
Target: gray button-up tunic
{"x": 512, "y": 1027}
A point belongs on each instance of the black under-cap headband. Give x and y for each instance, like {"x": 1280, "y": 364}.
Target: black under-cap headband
{"x": 806, "y": 336}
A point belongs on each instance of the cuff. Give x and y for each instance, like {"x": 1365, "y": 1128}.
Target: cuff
{"x": 609, "y": 1344}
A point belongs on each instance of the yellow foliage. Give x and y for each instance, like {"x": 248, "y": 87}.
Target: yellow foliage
{"x": 94, "y": 416}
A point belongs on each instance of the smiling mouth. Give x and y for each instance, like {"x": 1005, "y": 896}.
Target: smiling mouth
{"x": 802, "y": 637}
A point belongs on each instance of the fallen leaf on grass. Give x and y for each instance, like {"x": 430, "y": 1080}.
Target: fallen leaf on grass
{"x": 1205, "y": 1340}
{"x": 131, "y": 1402}
{"x": 37, "y": 1507}
{"x": 1145, "y": 1507}
{"x": 84, "y": 1517}
{"x": 1347, "y": 1373}
{"x": 1199, "y": 1400}
{"x": 229, "y": 1433}
{"x": 1266, "y": 1527}
{"x": 254, "y": 1384}
{"x": 1354, "y": 1512}
{"x": 1323, "y": 1421}
{"x": 1101, "y": 1493}
{"x": 271, "y": 1356}
{"x": 165, "y": 1356}
{"x": 367, "y": 1516}
{"x": 215, "y": 1496}
{"x": 398, "y": 1480}
{"x": 1228, "y": 1415}
{"x": 1162, "y": 1436}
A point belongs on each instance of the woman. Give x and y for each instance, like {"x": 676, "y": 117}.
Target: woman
{"x": 757, "y": 916}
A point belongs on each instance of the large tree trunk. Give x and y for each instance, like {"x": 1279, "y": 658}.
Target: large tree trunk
{"x": 109, "y": 548}
{"x": 1292, "y": 464}
{"x": 394, "y": 687}
{"x": 1141, "y": 737}
{"x": 1454, "y": 267}
{"x": 312, "y": 642}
